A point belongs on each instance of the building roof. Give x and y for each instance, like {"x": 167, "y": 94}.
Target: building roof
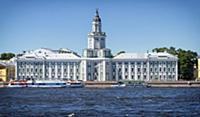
{"x": 6, "y": 64}
{"x": 46, "y": 53}
{"x": 131, "y": 56}
{"x": 160, "y": 55}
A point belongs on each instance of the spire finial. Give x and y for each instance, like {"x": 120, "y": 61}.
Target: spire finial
{"x": 97, "y": 12}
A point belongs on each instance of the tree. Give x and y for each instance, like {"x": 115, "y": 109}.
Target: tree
{"x": 186, "y": 61}
{"x": 7, "y": 56}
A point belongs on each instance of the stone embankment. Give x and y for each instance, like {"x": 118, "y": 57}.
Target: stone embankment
{"x": 108, "y": 84}
{"x": 99, "y": 84}
{"x": 3, "y": 84}
{"x": 173, "y": 83}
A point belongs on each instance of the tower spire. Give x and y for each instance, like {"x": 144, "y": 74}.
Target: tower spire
{"x": 97, "y": 12}
{"x": 97, "y": 17}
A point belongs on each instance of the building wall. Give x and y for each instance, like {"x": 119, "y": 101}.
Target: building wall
{"x": 48, "y": 70}
{"x": 144, "y": 70}
{"x": 198, "y": 68}
{"x": 3, "y": 74}
{"x": 7, "y": 73}
{"x": 10, "y": 72}
{"x": 98, "y": 69}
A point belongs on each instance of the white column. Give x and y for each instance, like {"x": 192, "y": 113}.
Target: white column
{"x": 74, "y": 75}
{"x": 123, "y": 73}
{"x": 104, "y": 71}
{"x": 68, "y": 70}
{"x": 129, "y": 70}
{"x": 16, "y": 71}
{"x": 62, "y": 71}
{"x": 141, "y": 70}
{"x": 99, "y": 71}
{"x": 25, "y": 71}
{"x": 56, "y": 71}
{"x": 84, "y": 70}
{"x": 43, "y": 70}
{"x": 148, "y": 76}
{"x": 176, "y": 70}
{"x": 116, "y": 72}
{"x": 50, "y": 71}
{"x": 136, "y": 74}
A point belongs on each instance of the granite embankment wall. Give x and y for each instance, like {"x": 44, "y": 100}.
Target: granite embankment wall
{"x": 99, "y": 84}
{"x": 174, "y": 83}
{"x": 107, "y": 84}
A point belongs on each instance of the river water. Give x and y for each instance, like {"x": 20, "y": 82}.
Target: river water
{"x": 92, "y": 102}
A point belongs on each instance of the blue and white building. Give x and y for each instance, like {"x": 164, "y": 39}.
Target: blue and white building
{"x": 97, "y": 62}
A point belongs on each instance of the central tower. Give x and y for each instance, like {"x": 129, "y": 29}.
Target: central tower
{"x": 96, "y": 40}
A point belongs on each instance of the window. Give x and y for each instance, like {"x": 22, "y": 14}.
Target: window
{"x": 151, "y": 69}
{"x": 138, "y": 77}
{"x": 126, "y": 70}
{"x": 113, "y": 77}
{"x": 120, "y": 77}
{"x": 126, "y": 76}
{"x": 40, "y": 70}
{"x": 132, "y": 69}
{"x": 145, "y": 77}
{"x": 138, "y": 69}
{"x": 144, "y": 69}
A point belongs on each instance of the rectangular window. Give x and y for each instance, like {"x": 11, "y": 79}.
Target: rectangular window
{"x": 151, "y": 69}
{"x": 132, "y": 69}
{"x": 138, "y": 69}
{"x": 126, "y": 70}
{"x": 145, "y": 77}
{"x": 138, "y": 77}
{"x": 144, "y": 69}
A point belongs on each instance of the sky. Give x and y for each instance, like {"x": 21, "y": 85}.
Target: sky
{"x": 131, "y": 25}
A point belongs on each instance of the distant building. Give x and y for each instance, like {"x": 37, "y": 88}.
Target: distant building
{"x": 198, "y": 68}
{"x": 97, "y": 62}
{"x": 7, "y": 71}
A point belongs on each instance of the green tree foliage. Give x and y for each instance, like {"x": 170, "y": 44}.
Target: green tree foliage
{"x": 186, "y": 61}
{"x": 7, "y": 56}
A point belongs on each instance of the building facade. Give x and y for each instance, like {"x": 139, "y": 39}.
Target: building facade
{"x": 97, "y": 62}
{"x": 198, "y": 68}
{"x": 7, "y": 71}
